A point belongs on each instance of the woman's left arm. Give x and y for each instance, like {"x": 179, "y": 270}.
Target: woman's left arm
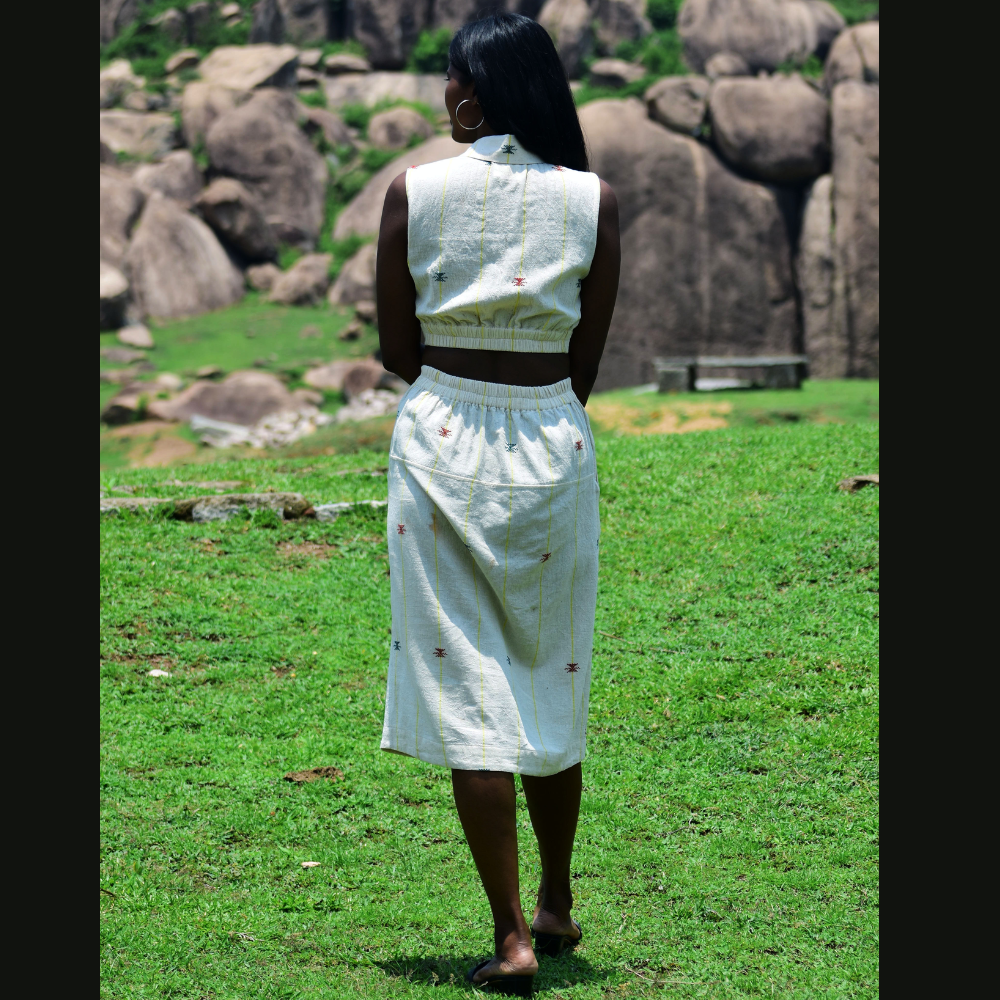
{"x": 398, "y": 326}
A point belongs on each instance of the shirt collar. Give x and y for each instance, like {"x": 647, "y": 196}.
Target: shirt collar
{"x": 501, "y": 149}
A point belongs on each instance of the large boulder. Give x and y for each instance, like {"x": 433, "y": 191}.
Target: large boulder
{"x": 237, "y": 216}
{"x": 679, "y": 102}
{"x": 397, "y": 128}
{"x": 855, "y": 201}
{"x": 201, "y": 104}
{"x": 388, "y": 29}
{"x": 117, "y": 82}
{"x": 356, "y": 281}
{"x": 114, "y": 296}
{"x": 121, "y": 203}
{"x": 569, "y": 22}
{"x": 775, "y": 128}
{"x": 853, "y": 56}
{"x": 373, "y": 88}
{"x": 305, "y": 282}
{"x": 334, "y": 131}
{"x": 821, "y": 288}
{"x": 246, "y": 67}
{"x": 706, "y": 260}
{"x": 766, "y": 33}
{"x": 614, "y": 73}
{"x": 260, "y": 144}
{"x": 617, "y": 21}
{"x": 243, "y": 397}
{"x": 117, "y": 15}
{"x": 363, "y": 215}
{"x": 176, "y": 265}
{"x": 177, "y": 176}
{"x": 144, "y": 136}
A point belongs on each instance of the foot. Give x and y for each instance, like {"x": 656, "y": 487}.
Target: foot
{"x": 520, "y": 961}
{"x": 546, "y": 921}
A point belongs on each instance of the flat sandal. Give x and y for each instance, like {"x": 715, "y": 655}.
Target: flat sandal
{"x": 554, "y": 945}
{"x": 511, "y": 986}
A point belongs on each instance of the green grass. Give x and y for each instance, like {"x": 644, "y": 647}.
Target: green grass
{"x": 728, "y": 837}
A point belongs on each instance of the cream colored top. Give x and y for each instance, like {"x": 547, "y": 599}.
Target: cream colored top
{"x": 498, "y": 244}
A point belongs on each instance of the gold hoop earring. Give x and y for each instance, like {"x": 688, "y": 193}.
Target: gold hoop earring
{"x": 468, "y": 128}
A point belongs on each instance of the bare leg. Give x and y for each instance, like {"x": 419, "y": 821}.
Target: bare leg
{"x": 554, "y": 806}
{"x": 486, "y": 807}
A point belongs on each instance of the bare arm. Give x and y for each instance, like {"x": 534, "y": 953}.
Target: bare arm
{"x": 398, "y": 326}
{"x": 597, "y": 299}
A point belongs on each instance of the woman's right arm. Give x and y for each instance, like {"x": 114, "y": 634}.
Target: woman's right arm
{"x": 398, "y": 326}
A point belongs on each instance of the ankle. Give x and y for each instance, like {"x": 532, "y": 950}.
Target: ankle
{"x": 557, "y": 901}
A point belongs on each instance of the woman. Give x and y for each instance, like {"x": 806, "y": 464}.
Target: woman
{"x": 497, "y": 277}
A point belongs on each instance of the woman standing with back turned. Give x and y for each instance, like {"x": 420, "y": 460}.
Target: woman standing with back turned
{"x": 497, "y": 277}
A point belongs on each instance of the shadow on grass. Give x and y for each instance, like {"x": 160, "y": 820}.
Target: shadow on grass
{"x": 439, "y": 970}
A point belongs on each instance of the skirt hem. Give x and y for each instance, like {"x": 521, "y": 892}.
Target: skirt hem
{"x": 470, "y": 758}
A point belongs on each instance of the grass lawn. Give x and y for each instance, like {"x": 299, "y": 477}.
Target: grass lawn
{"x": 729, "y": 833}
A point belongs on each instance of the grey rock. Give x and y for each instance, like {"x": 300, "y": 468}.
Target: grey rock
{"x": 334, "y": 131}
{"x": 200, "y": 16}
{"x": 726, "y": 64}
{"x": 766, "y": 33}
{"x": 679, "y": 102}
{"x": 247, "y": 67}
{"x": 569, "y": 22}
{"x": 853, "y": 56}
{"x": 366, "y": 311}
{"x": 310, "y": 58}
{"x": 363, "y": 214}
{"x": 177, "y": 176}
{"x": 176, "y": 265}
{"x": 775, "y": 128}
{"x": 121, "y": 203}
{"x": 388, "y": 29}
{"x": 617, "y": 21}
{"x": 372, "y": 88}
{"x": 331, "y": 511}
{"x": 614, "y": 73}
{"x": 205, "y": 509}
{"x": 173, "y": 23}
{"x": 243, "y": 398}
{"x": 116, "y": 15}
{"x": 145, "y": 136}
{"x": 329, "y": 377}
{"x": 136, "y": 335}
{"x": 114, "y": 296}
{"x": 268, "y": 24}
{"x": 306, "y": 78}
{"x": 305, "y": 282}
{"x": 706, "y": 261}
{"x": 263, "y": 276}
{"x": 261, "y": 145}
{"x": 122, "y": 355}
{"x": 856, "y": 210}
{"x": 345, "y": 62}
{"x": 397, "y": 127}
{"x": 117, "y": 81}
{"x": 237, "y": 216}
{"x": 821, "y": 287}
{"x": 185, "y": 59}
{"x": 356, "y": 281}
{"x": 201, "y": 104}
{"x": 306, "y": 21}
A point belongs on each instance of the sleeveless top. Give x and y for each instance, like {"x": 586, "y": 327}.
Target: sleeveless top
{"x": 498, "y": 245}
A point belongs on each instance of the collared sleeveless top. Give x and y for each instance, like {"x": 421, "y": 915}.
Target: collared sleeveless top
{"x": 498, "y": 245}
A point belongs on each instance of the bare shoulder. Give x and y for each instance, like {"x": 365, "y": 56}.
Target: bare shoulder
{"x": 609, "y": 203}
{"x": 395, "y": 197}
{"x": 394, "y": 208}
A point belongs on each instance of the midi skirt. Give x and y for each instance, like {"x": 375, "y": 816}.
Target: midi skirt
{"x": 493, "y": 534}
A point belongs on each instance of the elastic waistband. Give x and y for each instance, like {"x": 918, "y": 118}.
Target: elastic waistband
{"x": 497, "y": 338}
{"x": 496, "y": 394}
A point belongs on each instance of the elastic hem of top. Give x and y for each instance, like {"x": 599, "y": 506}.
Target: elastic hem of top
{"x": 495, "y": 394}
{"x": 497, "y": 338}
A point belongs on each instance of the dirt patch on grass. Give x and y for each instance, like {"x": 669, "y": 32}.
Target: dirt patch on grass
{"x": 673, "y": 418}
{"x": 317, "y": 550}
{"x": 314, "y": 774}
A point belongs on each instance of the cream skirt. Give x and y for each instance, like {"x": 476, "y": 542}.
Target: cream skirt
{"x": 493, "y": 536}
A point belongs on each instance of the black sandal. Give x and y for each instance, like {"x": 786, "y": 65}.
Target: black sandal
{"x": 554, "y": 945}
{"x": 511, "y": 986}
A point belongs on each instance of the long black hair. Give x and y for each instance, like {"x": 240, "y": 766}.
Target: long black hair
{"x": 521, "y": 85}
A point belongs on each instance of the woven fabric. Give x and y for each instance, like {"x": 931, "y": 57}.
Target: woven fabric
{"x": 498, "y": 244}
{"x": 493, "y": 548}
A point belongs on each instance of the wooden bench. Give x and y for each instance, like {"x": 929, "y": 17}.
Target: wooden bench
{"x": 781, "y": 371}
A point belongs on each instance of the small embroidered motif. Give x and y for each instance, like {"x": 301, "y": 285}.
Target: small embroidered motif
{"x": 579, "y": 282}
{"x": 579, "y": 445}
{"x": 439, "y": 652}
{"x": 572, "y": 668}
{"x": 508, "y": 147}
{"x": 519, "y": 281}
{"x": 400, "y": 529}
{"x": 444, "y": 432}
{"x": 545, "y": 558}
{"x": 395, "y": 644}
{"x": 508, "y": 661}
{"x": 512, "y": 446}
{"x": 558, "y": 168}
{"x": 440, "y": 276}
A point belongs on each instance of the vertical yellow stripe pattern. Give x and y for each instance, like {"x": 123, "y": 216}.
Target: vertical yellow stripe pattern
{"x": 562, "y": 262}
{"x": 482, "y": 244}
